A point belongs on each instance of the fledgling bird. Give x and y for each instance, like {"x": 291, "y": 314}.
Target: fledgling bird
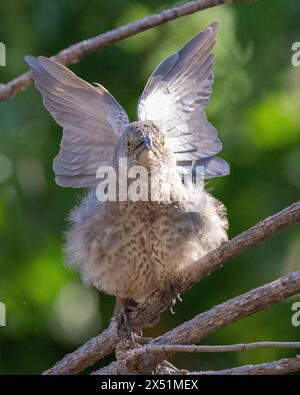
{"x": 130, "y": 249}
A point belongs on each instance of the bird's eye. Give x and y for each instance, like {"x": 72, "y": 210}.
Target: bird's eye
{"x": 162, "y": 143}
{"x": 127, "y": 144}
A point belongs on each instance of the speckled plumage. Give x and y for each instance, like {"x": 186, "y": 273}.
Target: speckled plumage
{"x": 130, "y": 249}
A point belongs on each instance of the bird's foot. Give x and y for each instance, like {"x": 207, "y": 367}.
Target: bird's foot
{"x": 173, "y": 302}
{"x": 171, "y": 295}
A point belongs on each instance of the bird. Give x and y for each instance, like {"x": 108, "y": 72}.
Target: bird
{"x": 132, "y": 248}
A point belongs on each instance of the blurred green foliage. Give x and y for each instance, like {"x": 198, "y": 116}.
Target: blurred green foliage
{"x": 255, "y": 106}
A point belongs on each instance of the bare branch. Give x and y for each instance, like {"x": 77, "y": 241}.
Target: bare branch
{"x": 282, "y": 366}
{"x": 100, "y": 346}
{"x": 76, "y": 52}
{"x": 140, "y": 361}
{"x": 92, "y": 351}
{"x": 175, "y": 348}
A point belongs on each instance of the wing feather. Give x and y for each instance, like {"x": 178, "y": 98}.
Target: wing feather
{"x": 92, "y": 121}
{"x": 175, "y": 97}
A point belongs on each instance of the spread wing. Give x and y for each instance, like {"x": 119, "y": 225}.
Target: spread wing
{"x": 175, "y": 98}
{"x": 91, "y": 118}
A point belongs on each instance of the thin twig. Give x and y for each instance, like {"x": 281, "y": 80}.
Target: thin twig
{"x": 140, "y": 361}
{"x": 281, "y": 366}
{"x": 99, "y": 346}
{"x": 175, "y": 348}
{"x": 76, "y": 52}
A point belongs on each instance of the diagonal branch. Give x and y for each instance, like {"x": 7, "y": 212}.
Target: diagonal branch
{"x": 281, "y": 366}
{"x": 76, "y": 52}
{"x": 92, "y": 351}
{"x": 139, "y": 361}
{"x": 100, "y": 346}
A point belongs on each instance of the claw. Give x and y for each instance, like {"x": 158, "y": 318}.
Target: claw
{"x": 179, "y": 298}
{"x": 171, "y": 310}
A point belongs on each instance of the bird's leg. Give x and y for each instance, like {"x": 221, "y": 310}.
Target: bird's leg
{"x": 123, "y": 320}
{"x": 127, "y": 338}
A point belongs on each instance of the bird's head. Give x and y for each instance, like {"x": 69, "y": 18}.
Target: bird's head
{"x": 144, "y": 144}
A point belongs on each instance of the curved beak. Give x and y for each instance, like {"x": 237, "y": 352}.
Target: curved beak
{"x": 148, "y": 141}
